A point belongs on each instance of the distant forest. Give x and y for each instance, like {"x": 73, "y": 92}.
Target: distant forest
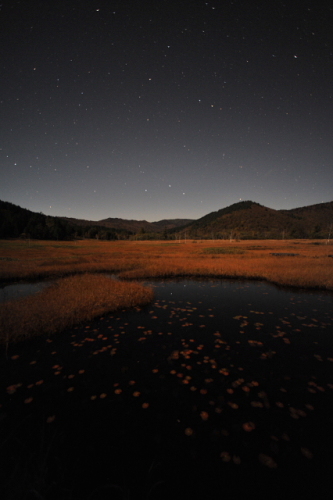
{"x": 242, "y": 220}
{"x": 17, "y": 222}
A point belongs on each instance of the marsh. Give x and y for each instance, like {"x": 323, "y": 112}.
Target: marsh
{"x": 218, "y": 384}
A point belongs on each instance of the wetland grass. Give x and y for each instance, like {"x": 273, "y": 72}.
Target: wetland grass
{"x": 80, "y": 295}
{"x": 69, "y": 301}
{"x": 227, "y": 385}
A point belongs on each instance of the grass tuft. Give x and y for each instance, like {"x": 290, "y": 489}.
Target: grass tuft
{"x": 80, "y": 296}
{"x": 69, "y": 301}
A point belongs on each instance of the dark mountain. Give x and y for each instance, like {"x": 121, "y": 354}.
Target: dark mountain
{"x": 133, "y": 226}
{"x": 319, "y": 216}
{"x": 244, "y": 220}
{"x": 18, "y": 222}
{"x": 250, "y": 220}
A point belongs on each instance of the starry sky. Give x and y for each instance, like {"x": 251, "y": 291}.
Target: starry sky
{"x": 165, "y": 109}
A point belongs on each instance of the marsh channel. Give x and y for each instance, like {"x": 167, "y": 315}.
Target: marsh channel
{"x": 20, "y": 290}
{"x": 219, "y": 387}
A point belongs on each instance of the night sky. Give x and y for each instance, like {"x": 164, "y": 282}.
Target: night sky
{"x": 165, "y": 109}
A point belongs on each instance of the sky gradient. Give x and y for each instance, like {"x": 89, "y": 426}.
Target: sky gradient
{"x": 162, "y": 109}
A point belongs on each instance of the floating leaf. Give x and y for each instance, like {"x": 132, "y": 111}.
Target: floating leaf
{"x": 307, "y": 453}
{"x": 257, "y": 404}
{"x": 225, "y": 456}
{"x": 267, "y": 461}
{"x": 12, "y": 388}
{"x": 248, "y": 426}
{"x": 204, "y": 415}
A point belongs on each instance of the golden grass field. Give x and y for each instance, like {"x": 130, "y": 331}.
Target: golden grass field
{"x": 80, "y": 294}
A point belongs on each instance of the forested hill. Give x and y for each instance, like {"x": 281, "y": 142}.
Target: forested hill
{"x": 133, "y": 226}
{"x": 243, "y": 220}
{"x": 17, "y": 222}
{"x": 250, "y": 220}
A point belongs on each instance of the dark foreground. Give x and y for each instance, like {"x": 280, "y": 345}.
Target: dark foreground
{"x": 218, "y": 390}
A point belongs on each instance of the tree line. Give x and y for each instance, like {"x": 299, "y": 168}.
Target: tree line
{"x": 17, "y": 222}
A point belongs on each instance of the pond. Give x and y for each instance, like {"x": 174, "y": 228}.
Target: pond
{"x": 218, "y": 386}
{"x": 20, "y": 290}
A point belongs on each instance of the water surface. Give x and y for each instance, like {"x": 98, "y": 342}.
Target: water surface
{"x": 19, "y": 290}
{"x": 216, "y": 386}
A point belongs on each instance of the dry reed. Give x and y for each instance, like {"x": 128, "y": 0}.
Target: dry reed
{"x": 69, "y": 301}
{"x": 79, "y": 298}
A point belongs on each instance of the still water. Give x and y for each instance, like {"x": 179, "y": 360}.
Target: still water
{"x": 217, "y": 385}
{"x": 19, "y": 290}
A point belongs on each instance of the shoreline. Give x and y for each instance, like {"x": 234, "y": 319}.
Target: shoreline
{"x": 81, "y": 292}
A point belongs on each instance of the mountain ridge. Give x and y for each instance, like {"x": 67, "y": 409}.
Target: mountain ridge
{"x": 250, "y": 220}
{"x": 131, "y": 224}
{"x": 243, "y": 220}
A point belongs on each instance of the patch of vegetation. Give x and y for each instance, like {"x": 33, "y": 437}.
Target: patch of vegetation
{"x": 68, "y": 302}
{"x": 75, "y": 300}
{"x": 223, "y": 250}
{"x": 169, "y": 244}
